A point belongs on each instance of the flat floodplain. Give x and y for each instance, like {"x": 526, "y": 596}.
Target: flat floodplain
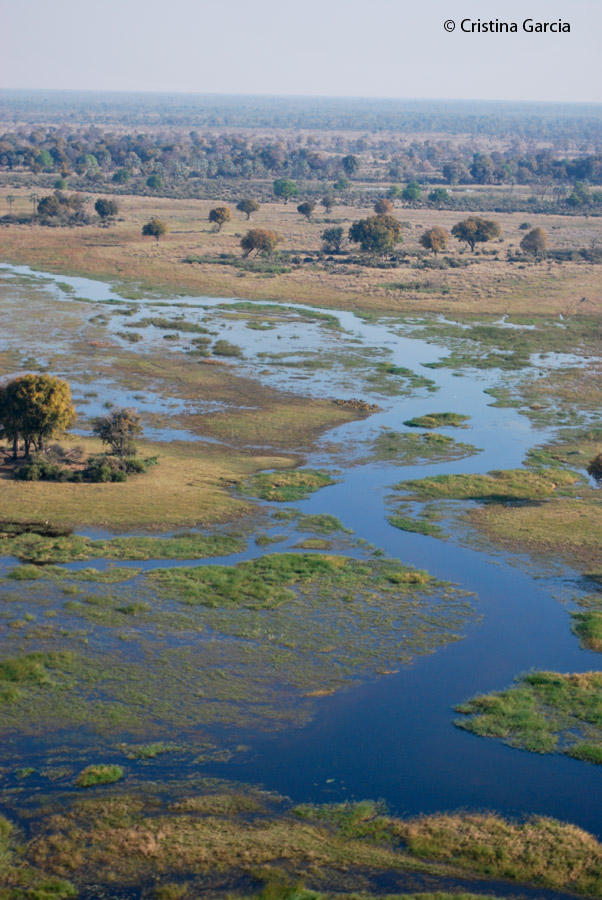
{"x": 297, "y": 595}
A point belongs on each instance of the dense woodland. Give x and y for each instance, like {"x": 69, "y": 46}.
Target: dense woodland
{"x": 540, "y": 158}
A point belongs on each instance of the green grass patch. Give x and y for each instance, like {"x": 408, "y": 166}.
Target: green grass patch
{"x": 38, "y": 548}
{"x": 588, "y": 628}
{"x": 169, "y": 325}
{"x": 545, "y": 712}
{"x": 286, "y": 485}
{"x": 404, "y": 523}
{"x": 99, "y": 774}
{"x": 111, "y": 575}
{"x": 438, "y": 420}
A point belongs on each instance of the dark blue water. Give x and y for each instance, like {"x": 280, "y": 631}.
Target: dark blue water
{"x": 394, "y": 738}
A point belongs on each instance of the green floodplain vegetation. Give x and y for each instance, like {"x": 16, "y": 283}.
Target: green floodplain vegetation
{"x": 128, "y": 658}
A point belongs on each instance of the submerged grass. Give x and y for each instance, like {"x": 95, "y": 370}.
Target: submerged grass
{"x": 588, "y": 628}
{"x": 546, "y": 712}
{"x": 409, "y": 448}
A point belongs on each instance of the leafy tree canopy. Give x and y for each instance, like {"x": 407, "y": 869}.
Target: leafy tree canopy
{"x": 377, "y": 234}
{"x": 155, "y": 228}
{"x": 475, "y": 230}
{"x": 219, "y": 216}
{"x": 535, "y": 242}
{"x": 248, "y": 207}
{"x": 259, "y": 240}
{"x": 119, "y": 429}
{"x": 434, "y": 239}
{"x": 284, "y": 189}
{"x": 33, "y": 408}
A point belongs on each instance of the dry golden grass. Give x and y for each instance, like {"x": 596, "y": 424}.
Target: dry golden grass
{"x": 188, "y": 486}
{"x": 492, "y": 286}
{"x": 565, "y": 528}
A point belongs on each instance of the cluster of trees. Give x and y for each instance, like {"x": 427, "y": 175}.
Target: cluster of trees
{"x": 152, "y": 160}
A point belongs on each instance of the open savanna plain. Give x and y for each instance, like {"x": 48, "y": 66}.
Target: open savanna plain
{"x": 484, "y": 282}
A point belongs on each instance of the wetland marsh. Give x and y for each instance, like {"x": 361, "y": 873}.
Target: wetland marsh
{"x": 320, "y": 568}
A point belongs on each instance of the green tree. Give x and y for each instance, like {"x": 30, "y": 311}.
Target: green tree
{"x": 383, "y": 207}
{"x": 154, "y": 182}
{"x": 350, "y": 164}
{"x": 106, "y": 209}
{"x": 535, "y": 242}
{"x": 119, "y": 429}
{"x": 34, "y": 408}
{"x": 475, "y": 230}
{"x": 438, "y": 196}
{"x": 155, "y": 228}
{"x": 332, "y": 239}
{"x": 394, "y": 192}
{"x": 412, "y": 192}
{"x": 259, "y": 240}
{"x": 306, "y": 208}
{"x": 434, "y": 239}
{"x": 219, "y": 216}
{"x": 121, "y": 176}
{"x": 328, "y": 203}
{"x": 248, "y": 207}
{"x": 377, "y": 234}
{"x": 284, "y": 189}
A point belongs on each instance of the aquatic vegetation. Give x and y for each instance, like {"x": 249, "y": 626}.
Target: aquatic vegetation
{"x": 30, "y": 546}
{"x": 438, "y": 420}
{"x": 406, "y": 523}
{"x": 546, "y": 712}
{"x": 540, "y": 850}
{"x": 409, "y": 448}
{"x": 19, "y": 674}
{"x": 413, "y": 381}
{"x": 588, "y": 628}
{"x": 225, "y": 348}
{"x": 99, "y": 774}
{"x": 215, "y": 830}
{"x": 111, "y": 575}
{"x": 168, "y": 324}
{"x": 498, "y": 486}
{"x": 286, "y": 485}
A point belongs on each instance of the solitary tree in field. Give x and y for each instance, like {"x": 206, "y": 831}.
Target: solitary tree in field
{"x": 155, "y": 228}
{"x": 219, "y": 216}
{"x": 106, "y": 209}
{"x": 332, "y": 238}
{"x": 259, "y": 240}
{"x": 284, "y": 189}
{"x": 248, "y": 207}
{"x": 34, "y": 408}
{"x": 434, "y": 239}
{"x": 383, "y": 207}
{"x": 475, "y": 230}
{"x": 119, "y": 429}
{"x": 535, "y": 242}
{"x": 10, "y": 199}
{"x": 306, "y": 209}
{"x": 394, "y": 192}
{"x": 350, "y": 164}
{"x": 328, "y": 203}
{"x": 377, "y": 234}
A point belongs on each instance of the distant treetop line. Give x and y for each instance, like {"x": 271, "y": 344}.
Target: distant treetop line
{"x": 494, "y": 118}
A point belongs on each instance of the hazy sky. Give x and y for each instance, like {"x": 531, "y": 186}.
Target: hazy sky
{"x": 381, "y": 48}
